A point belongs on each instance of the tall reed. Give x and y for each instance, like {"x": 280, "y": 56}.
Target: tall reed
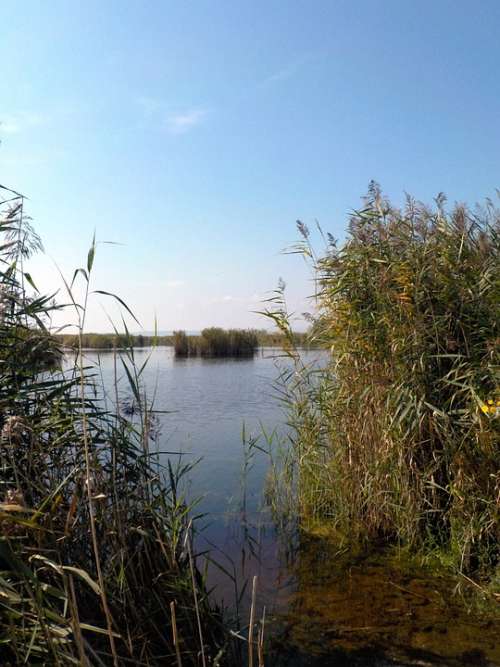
{"x": 397, "y": 439}
{"x": 95, "y": 547}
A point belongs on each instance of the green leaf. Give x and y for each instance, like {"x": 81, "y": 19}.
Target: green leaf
{"x": 120, "y": 301}
{"x": 77, "y": 271}
{"x": 30, "y": 280}
{"x": 91, "y": 255}
{"x": 133, "y": 385}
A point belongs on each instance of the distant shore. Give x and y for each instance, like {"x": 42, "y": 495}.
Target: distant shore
{"x": 106, "y": 341}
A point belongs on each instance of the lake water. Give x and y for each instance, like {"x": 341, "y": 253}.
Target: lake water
{"x": 369, "y": 612}
{"x": 213, "y": 407}
{"x": 209, "y": 402}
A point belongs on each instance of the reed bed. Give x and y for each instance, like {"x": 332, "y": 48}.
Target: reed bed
{"x": 217, "y": 342}
{"x": 184, "y": 342}
{"x": 396, "y": 441}
{"x": 97, "y": 563}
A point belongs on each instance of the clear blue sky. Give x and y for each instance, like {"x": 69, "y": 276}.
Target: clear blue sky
{"x": 196, "y": 133}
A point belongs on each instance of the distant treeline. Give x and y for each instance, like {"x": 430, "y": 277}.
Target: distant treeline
{"x": 239, "y": 342}
{"x": 100, "y": 341}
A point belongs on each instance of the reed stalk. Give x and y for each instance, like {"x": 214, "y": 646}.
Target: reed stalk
{"x": 252, "y": 622}
{"x": 175, "y": 635}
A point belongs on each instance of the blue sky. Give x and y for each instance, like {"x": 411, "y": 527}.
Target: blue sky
{"x": 196, "y": 133}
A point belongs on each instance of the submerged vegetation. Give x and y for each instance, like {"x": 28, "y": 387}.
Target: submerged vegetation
{"x": 397, "y": 441}
{"x": 378, "y": 608}
{"x": 96, "y": 558}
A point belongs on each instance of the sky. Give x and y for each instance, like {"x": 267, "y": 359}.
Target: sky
{"x": 195, "y": 134}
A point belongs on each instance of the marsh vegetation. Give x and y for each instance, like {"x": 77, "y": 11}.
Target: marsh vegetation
{"x": 216, "y": 342}
{"x": 384, "y": 486}
{"x": 232, "y": 342}
{"x": 97, "y": 563}
{"x": 396, "y": 441}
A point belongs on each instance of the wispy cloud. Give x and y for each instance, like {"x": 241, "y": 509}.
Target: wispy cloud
{"x": 292, "y": 68}
{"x": 180, "y": 123}
{"x": 227, "y": 298}
{"x": 175, "y": 283}
{"x": 174, "y": 119}
{"x": 230, "y": 298}
{"x": 15, "y": 123}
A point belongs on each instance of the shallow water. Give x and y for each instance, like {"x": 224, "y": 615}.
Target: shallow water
{"x": 378, "y": 609}
{"x": 326, "y": 610}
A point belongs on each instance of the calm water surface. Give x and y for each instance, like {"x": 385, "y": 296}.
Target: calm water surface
{"x": 369, "y": 612}
{"x": 209, "y": 402}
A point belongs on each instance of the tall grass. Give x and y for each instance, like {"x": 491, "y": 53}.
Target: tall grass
{"x": 397, "y": 439}
{"x": 96, "y": 558}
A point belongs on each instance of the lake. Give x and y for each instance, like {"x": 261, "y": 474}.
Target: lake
{"x": 209, "y": 402}
{"x": 369, "y": 611}
{"x": 205, "y": 407}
